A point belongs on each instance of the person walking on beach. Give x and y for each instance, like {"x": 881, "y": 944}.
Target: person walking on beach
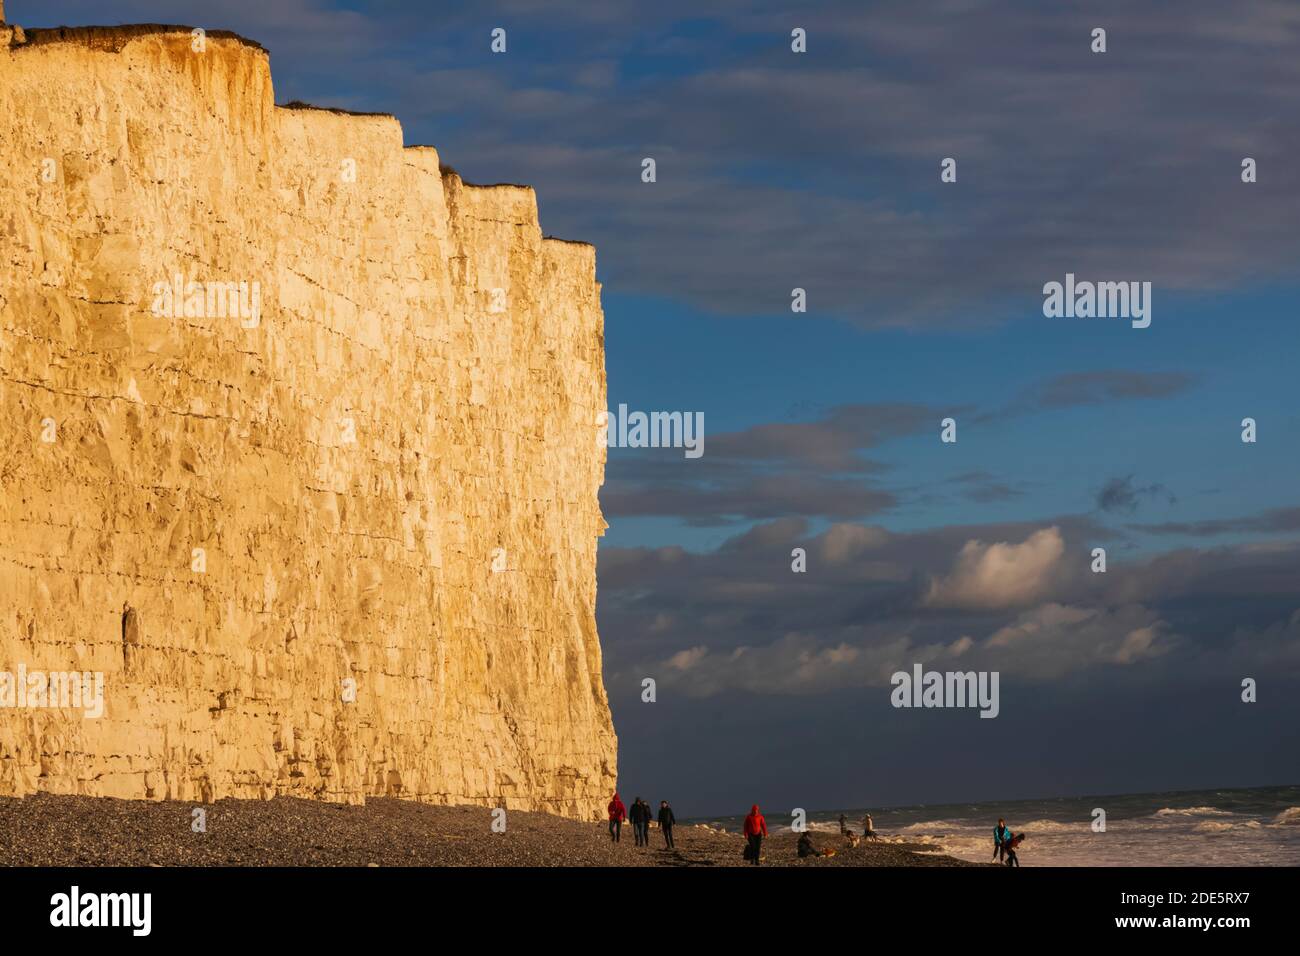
{"x": 666, "y": 821}
{"x": 640, "y": 819}
{"x": 1001, "y": 837}
{"x": 755, "y": 830}
{"x": 868, "y": 831}
{"x": 844, "y": 828}
{"x": 617, "y": 814}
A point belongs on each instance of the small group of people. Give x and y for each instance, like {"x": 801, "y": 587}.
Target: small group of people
{"x": 754, "y": 830}
{"x": 1005, "y": 843}
{"x": 868, "y": 830}
{"x": 640, "y": 816}
{"x": 805, "y": 846}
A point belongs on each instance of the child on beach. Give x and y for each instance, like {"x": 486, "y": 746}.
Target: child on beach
{"x": 1015, "y": 841}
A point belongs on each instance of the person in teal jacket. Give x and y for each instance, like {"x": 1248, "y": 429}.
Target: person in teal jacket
{"x": 1001, "y": 836}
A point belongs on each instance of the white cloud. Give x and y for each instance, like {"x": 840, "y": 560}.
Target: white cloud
{"x": 1045, "y": 643}
{"x": 685, "y": 660}
{"x": 794, "y": 664}
{"x": 1055, "y": 639}
{"x": 844, "y": 542}
{"x": 1001, "y": 575}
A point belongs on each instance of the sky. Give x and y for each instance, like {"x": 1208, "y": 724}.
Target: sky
{"x": 821, "y": 171}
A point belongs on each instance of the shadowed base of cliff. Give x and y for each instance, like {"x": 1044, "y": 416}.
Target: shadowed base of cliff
{"x": 52, "y": 830}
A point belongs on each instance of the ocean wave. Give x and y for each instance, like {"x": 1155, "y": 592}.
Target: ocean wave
{"x": 1219, "y": 826}
{"x": 1288, "y": 817}
{"x": 955, "y": 845}
{"x": 1191, "y": 812}
{"x": 1033, "y": 826}
{"x": 817, "y": 827}
{"x": 1051, "y": 826}
{"x": 924, "y": 838}
{"x": 821, "y": 827}
{"x": 1212, "y": 826}
{"x": 927, "y": 826}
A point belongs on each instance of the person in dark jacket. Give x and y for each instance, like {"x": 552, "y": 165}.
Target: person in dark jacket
{"x": 649, "y": 818}
{"x": 806, "y": 847}
{"x": 755, "y": 830}
{"x": 617, "y": 814}
{"x": 666, "y": 821}
{"x": 640, "y": 817}
{"x": 1015, "y": 841}
{"x": 647, "y": 814}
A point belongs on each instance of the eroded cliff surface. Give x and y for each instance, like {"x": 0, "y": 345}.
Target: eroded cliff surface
{"x": 380, "y": 474}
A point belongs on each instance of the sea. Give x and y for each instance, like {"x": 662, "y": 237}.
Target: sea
{"x": 1259, "y": 826}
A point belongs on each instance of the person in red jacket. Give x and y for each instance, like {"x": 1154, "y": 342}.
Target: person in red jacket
{"x": 755, "y": 830}
{"x": 617, "y": 814}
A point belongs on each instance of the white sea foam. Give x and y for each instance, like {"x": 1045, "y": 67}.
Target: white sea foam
{"x": 929, "y": 826}
{"x": 1141, "y": 830}
{"x": 1192, "y": 812}
{"x": 1214, "y": 826}
{"x": 827, "y": 827}
{"x": 1051, "y": 826}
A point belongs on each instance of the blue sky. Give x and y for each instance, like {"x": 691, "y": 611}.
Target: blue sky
{"x": 1240, "y": 348}
{"x": 821, "y": 171}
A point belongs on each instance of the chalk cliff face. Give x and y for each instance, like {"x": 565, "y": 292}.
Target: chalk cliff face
{"x": 329, "y": 534}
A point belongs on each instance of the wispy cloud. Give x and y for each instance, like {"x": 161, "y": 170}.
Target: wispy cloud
{"x": 1123, "y": 495}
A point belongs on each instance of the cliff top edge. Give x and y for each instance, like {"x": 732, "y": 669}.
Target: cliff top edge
{"x": 115, "y": 37}
{"x": 337, "y": 111}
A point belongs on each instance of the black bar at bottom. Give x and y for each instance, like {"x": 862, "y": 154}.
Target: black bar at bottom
{"x": 237, "y": 906}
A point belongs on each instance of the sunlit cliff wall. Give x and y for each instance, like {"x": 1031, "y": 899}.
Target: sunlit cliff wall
{"x": 386, "y": 479}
